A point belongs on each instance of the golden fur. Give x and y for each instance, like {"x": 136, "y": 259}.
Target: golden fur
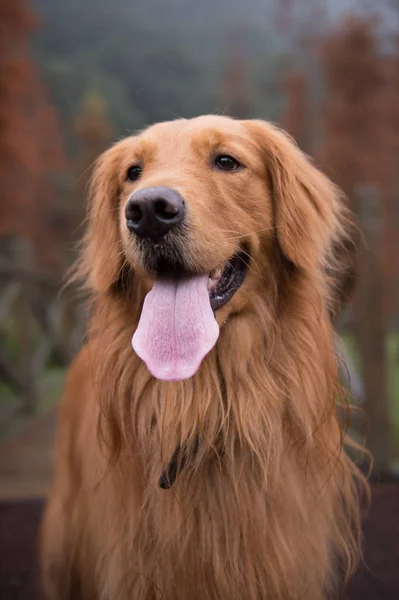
{"x": 268, "y": 505}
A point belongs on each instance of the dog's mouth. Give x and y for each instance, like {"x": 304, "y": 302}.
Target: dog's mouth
{"x": 223, "y": 283}
{"x": 177, "y": 326}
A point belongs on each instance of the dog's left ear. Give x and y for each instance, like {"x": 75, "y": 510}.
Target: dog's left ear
{"x": 308, "y": 207}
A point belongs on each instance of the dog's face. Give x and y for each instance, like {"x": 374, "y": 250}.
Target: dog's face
{"x": 189, "y": 203}
{"x": 208, "y": 198}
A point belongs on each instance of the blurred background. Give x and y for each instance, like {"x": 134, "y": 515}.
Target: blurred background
{"x": 77, "y": 75}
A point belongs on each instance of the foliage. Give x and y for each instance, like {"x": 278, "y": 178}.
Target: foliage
{"x": 296, "y": 115}
{"x": 361, "y": 144}
{"x": 30, "y": 142}
{"x": 78, "y": 74}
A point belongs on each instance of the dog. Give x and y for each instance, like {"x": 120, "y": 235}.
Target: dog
{"x": 199, "y": 451}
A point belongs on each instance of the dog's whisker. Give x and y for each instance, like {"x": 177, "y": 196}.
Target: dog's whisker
{"x": 244, "y": 235}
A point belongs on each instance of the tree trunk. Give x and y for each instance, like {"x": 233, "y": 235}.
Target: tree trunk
{"x": 371, "y": 328}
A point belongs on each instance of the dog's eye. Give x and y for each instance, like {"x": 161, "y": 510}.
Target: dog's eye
{"x": 133, "y": 173}
{"x": 224, "y": 162}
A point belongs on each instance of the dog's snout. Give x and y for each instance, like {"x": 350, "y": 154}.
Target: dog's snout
{"x": 153, "y": 212}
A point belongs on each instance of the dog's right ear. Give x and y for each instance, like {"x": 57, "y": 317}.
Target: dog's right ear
{"x": 101, "y": 253}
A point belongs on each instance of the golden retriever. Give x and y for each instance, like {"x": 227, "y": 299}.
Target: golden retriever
{"x": 207, "y": 461}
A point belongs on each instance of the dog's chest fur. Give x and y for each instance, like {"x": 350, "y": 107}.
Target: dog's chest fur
{"x": 217, "y": 530}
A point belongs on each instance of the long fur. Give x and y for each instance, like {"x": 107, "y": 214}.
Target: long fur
{"x": 268, "y": 503}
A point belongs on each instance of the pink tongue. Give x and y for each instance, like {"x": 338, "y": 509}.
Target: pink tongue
{"x": 176, "y": 328}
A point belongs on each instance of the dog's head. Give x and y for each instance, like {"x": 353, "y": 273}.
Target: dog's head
{"x": 198, "y": 210}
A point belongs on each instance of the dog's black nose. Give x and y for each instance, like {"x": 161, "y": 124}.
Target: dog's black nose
{"x": 152, "y": 212}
